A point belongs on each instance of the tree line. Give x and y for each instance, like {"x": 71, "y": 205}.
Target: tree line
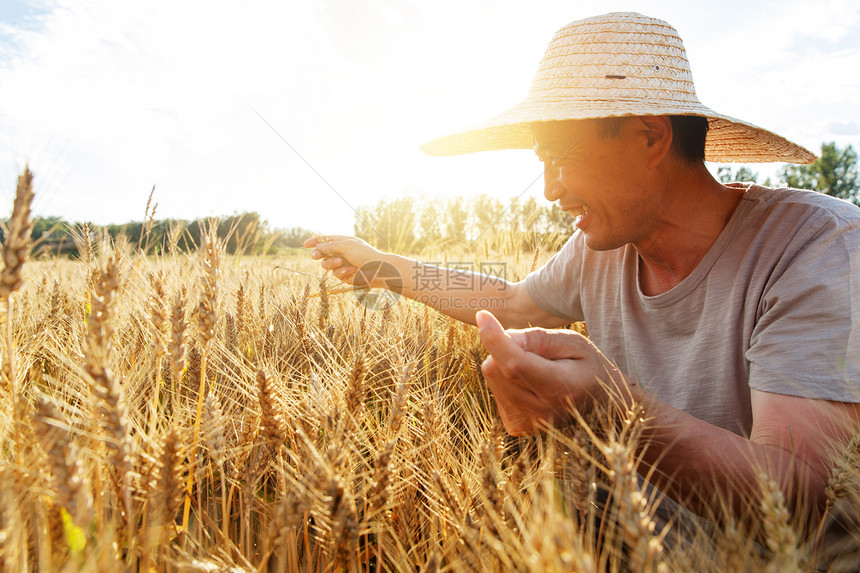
{"x": 242, "y": 233}
{"x": 412, "y": 223}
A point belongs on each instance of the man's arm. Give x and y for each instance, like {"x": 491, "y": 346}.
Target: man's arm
{"x": 457, "y": 293}
{"x": 792, "y": 441}
{"x": 536, "y": 376}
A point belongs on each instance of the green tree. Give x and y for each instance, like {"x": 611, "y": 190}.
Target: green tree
{"x": 743, "y": 173}
{"x": 531, "y": 216}
{"x": 47, "y": 225}
{"x": 559, "y": 222}
{"x": 526, "y": 219}
{"x": 390, "y": 225}
{"x": 488, "y": 213}
{"x": 431, "y": 231}
{"x": 833, "y": 173}
{"x": 294, "y": 237}
{"x": 242, "y": 232}
{"x": 456, "y": 220}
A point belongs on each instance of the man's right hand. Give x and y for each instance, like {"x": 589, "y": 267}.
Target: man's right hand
{"x": 342, "y": 255}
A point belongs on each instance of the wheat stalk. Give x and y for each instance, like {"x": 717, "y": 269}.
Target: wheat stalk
{"x": 69, "y": 477}
{"x": 109, "y": 408}
{"x": 241, "y": 316}
{"x": 160, "y": 327}
{"x": 16, "y": 248}
{"x": 207, "y": 321}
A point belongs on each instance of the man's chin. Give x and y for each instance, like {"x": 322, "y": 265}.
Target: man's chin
{"x": 597, "y": 243}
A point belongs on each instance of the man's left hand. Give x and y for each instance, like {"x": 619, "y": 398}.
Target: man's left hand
{"x": 537, "y": 375}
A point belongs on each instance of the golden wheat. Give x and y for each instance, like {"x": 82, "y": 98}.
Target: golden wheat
{"x": 312, "y": 434}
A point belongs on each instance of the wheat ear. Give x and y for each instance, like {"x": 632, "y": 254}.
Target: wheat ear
{"x": 356, "y": 389}
{"x": 638, "y": 526}
{"x": 242, "y": 312}
{"x": 325, "y": 306}
{"x": 69, "y": 477}
{"x": 16, "y": 248}
{"x": 271, "y": 416}
{"x": 216, "y": 442}
{"x": 178, "y": 357}
{"x": 780, "y": 537}
{"x": 169, "y": 483}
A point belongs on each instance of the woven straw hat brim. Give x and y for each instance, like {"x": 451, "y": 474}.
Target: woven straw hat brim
{"x": 729, "y": 140}
{"x": 620, "y": 64}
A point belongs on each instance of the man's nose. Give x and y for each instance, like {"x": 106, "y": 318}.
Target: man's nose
{"x": 551, "y": 189}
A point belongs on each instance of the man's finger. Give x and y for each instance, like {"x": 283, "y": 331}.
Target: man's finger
{"x": 508, "y": 355}
{"x": 551, "y": 344}
{"x": 345, "y": 273}
{"x": 334, "y": 246}
{"x": 332, "y": 263}
{"x": 492, "y": 334}
{"x": 516, "y": 402}
{"x": 317, "y": 240}
{"x": 489, "y": 368}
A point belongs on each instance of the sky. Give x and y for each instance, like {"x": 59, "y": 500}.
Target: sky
{"x": 305, "y": 110}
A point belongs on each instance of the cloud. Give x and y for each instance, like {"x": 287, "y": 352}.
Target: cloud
{"x": 844, "y": 128}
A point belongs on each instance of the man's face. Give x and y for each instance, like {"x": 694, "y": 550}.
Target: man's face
{"x": 602, "y": 181}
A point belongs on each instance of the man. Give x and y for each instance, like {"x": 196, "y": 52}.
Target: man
{"x": 729, "y": 312}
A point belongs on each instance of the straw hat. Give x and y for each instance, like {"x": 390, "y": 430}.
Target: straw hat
{"x": 618, "y": 64}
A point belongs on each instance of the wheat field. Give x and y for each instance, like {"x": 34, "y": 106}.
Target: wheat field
{"x": 211, "y": 413}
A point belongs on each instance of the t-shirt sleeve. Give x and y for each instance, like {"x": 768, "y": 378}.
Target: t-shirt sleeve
{"x": 805, "y": 342}
{"x": 555, "y": 287}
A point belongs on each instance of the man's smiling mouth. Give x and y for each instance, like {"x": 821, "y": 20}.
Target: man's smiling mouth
{"x": 575, "y": 211}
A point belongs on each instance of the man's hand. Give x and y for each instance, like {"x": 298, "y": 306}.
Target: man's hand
{"x": 342, "y": 255}
{"x": 537, "y": 375}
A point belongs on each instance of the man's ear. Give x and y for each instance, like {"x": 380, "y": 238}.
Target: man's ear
{"x": 657, "y": 130}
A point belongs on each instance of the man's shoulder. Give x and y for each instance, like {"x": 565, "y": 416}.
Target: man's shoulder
{"x": 786, "y": 222}
{"x": 779, "y": 200}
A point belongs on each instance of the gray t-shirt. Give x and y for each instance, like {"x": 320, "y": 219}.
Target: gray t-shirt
{"x": 774, "y": 305}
